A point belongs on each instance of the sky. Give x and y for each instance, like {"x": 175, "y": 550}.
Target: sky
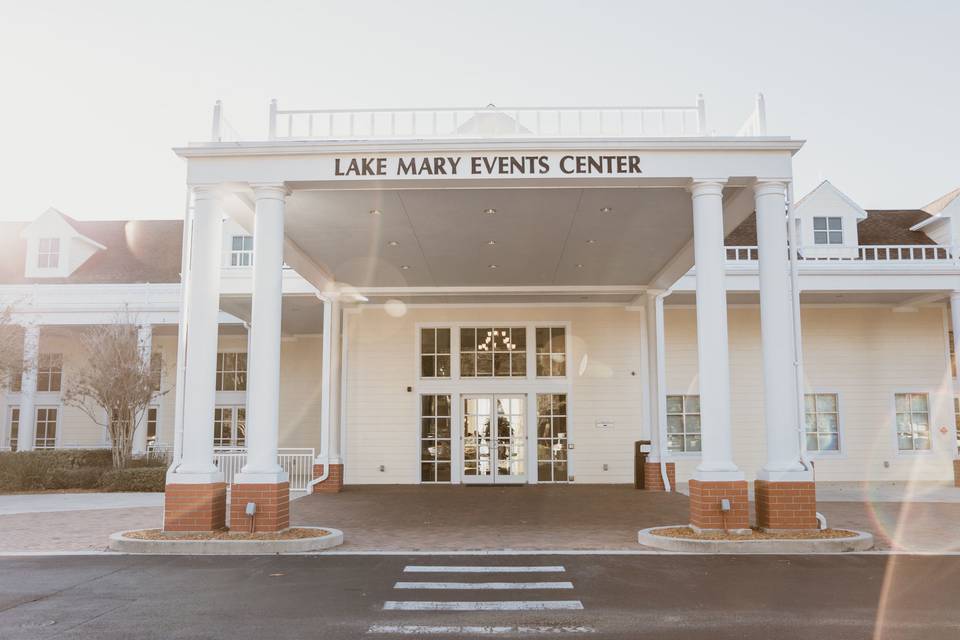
{"x": 97, "y": 93}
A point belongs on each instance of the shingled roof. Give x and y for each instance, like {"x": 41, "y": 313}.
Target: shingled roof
{"x": 137, "y": 251}
{"x": 880, "y": 227}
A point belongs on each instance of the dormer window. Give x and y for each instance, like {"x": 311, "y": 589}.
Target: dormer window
{"x": 241, "y": 251}
{"x": 827, "y": 230}
{"x": 48, "y": 253}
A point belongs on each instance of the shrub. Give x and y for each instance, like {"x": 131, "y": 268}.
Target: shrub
{"x": 142, "y": 479}
{"x": 72, "y": 469}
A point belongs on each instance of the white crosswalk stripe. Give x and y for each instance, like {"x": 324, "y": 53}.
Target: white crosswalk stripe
{"x": 483, "y": 585}
{"x": 475, "y": 630}
{"x": 484, "y": 605}
{"x": 474, "y": 569}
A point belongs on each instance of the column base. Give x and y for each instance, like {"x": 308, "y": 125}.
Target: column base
{"x": 273, "y": 507}
{"x": 956, "y": 472}
{"x": 653, "y": 480}
{"x": 195, "y": 507}
{"x": 785, "y": 505}
{"x": 705, "y": 502}
{"x": 333, "y": 483}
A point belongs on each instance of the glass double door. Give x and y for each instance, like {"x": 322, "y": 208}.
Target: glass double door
{"x": 494, "y": 439}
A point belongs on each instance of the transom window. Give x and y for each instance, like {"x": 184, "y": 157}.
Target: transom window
{"x": 229, "y": 426}
{"x": 49, "y": 371}
{"x": 551, "y": 352}
{"x": 48, "y": 253}
{"x": 435, "y": 353}
{"x": 231, "y": 372}
{"x": 683, "y": 423}
{"x": 13, "y": 423}
{"x": 490, "y": 352}
{"x": 823, "y": 422}
{"x": 241, "y": 251}
{"x": 46, "y": 437}
{"x": 552, "y": 437}
{"x": 913, "y": 421}
{"x": 827, "y": 230}
{"x": 435, "y": 434}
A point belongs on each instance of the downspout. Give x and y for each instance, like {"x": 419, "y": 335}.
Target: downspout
{"x": 180, "y": 383}
{"x": 323, "y": 458}
{"x": 661, "y": 374}
{"x": 797, "y": 336}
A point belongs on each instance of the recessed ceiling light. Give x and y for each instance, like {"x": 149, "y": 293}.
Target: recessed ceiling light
{"x": 591, "y": 242}
{"x": 490, "y": 211}
{"x": 375, "y": 212}
{"x": 579, "y": 266}
{"x": 492, "y": 266}
{"x": 491, "y": 242}
{"x": 404, "y": 266}
{"x": 606, "y": 209}
{"x": 393, "y": 243}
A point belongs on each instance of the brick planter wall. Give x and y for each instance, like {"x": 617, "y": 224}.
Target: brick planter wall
{"x": 195, "y": 507}
{"x": 333, "y": 483}
{"x": 705, "y": 499}
{"x": 786, "y": 505}
{"x": 273, "y": 507}
{"x": 653, "y": 481}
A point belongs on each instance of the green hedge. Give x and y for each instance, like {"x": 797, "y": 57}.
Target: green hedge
{"x": 143, "y": 479}
{"x": 71, "y": 469}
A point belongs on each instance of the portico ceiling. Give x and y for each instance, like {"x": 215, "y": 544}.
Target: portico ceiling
{"x": 548, "y": 237}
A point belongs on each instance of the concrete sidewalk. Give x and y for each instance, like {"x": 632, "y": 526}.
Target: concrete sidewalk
{"x": 52, "y": 502}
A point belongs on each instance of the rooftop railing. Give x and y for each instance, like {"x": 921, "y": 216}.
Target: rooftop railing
{"x": 911, "y": 253}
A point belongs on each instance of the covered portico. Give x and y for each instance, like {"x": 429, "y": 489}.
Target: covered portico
{"x": 489, "y": 214}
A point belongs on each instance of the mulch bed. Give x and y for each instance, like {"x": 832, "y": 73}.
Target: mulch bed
{"x": 295, "y": 533}
{"x": 755, "y": 534}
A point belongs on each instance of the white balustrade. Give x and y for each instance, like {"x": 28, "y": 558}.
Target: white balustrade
{"x": 298, "y": 463}
{"x": 925, "y": 253}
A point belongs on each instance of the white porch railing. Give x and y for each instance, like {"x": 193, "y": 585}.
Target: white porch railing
{"x": 488, "y": 122}
{"x": 917, "y": 253}
{"x": 298, "y": 463}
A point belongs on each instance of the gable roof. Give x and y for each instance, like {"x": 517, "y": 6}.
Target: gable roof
{"x": 880, "y": 227}
{"x": 827, "y": 189}
{"x": 136, "y": 251}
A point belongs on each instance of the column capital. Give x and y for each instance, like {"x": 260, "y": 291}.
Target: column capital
{"x": 207, "y": 192}
{"x": 955, "y": 297}
{"x": 706, "y": 187}
{"x": 770, "y": 187}
{"x": 270, "y": 190}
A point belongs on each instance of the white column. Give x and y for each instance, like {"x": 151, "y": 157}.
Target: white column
{"x": 716, "y": 461}
{"x": 336, "y": 361}
{"x": 263, "y": 361}
{"x": 26, "y": 430}
{"x": 325, "y": 362}
{"x": 653, "y": 391}
{"x": 955, "y": 324}
{"x": 776, "y": 331}
{"x": 200, "y": 360}
{"x": 145, "y": 340}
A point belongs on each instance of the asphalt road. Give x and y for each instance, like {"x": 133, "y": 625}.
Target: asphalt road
{"x": 332, "y": 597}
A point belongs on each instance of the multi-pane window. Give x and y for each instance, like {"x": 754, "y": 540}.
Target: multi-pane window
{"x": 827, "y": 230}
{"x": 953, "y": 355}
{"x": 551, "y": 352}
{"x": 156, "y": 370}
{"x": 48, "y": 253}
{"x": 435, "y": 434}
{"x": 46, "y": 435}
{"x": 956, "y": 419}
{"x": 13, "y": 428}
{"x": 552, "y": 437}
{"x": 913, "y": 421}
{"x": 152, "y": 414}
{"x": 435, "y": 353}
{"x": 229, "y": 426}
{"x": 49, "y": 371}
{"x": 822, "y": 422}
{"x": 683, "y": 423}
{"x": 231, "y": 372}
{"x": 241, "y": 251}
{"x": 489, "y": 352}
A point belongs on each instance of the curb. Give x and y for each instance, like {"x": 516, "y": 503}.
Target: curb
{"x": 120, "y": 542}
{"x": 861, "y": 542}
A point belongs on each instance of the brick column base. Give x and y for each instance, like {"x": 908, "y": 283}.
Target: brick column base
{"x": 195, "y": 507}
{"x": 653, "y": 481}
{"x": 705, "y": 497}
{"x": 273, "y": 507}
{"x": 786, "y": 505}
{"x": 333, "y": 483}
{"x": 956, "y": 473}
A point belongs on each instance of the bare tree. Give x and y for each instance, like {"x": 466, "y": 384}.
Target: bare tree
{"x": 11, "y": 347}
{"x": 112, "y": 382}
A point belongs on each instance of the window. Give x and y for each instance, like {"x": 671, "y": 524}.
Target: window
{"x": 913, "y": 422}
{"x": 956, "y": 419}
{"x": 13, "y": 423}
{"x": 46, "y": 437}
{"x": 156, "y": 370}
{"x": 551, "y": 352}
{"x": 231, "y": 372}
{"x": 435, "y": 353}
{"x": 827, "y": 230}
{"x": 229, "y": 427}
{"x": 48, "y": 253}
{"x": 241, "y": 251}
{"x": 488, "y": 352}
{"x": 953, "y": 355}
{"x": 552, "y": 437}
{"x": 823, "y": 422}
{"x": 683, "y": 423}
{"x": 435, "y": 438}
{"x": 49, "y": 371}
{"x": 152, "y": 413}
